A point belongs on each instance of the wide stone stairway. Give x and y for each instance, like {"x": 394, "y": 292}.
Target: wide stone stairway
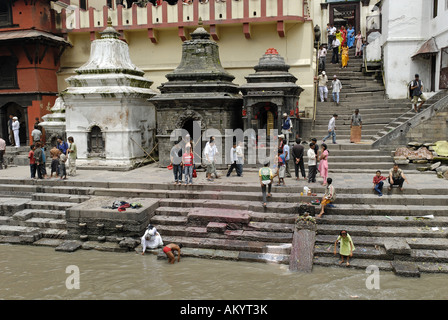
{"x": 361, "y": 91}
{"x": 227, "y": 221}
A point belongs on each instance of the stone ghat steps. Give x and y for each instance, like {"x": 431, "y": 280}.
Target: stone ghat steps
{"x": 332, "y": 158}
{"x": 382, "y": 231}
{"x": 168, "y": 190}
{"x": 323, "y": 119}
{"x": 344, "y": 129}
{"x": 345, "y": 113}
{"x": 361, "y": 104}
{"x": 421, "y": 250}
{"x": 394, "y": 219}
{"x": 290, "y": 193}
{"x": 383, "y": 265}
{"x": 243, "y": 235}
{"x": 259, "y": 220}
{"x": 231, "y": 249}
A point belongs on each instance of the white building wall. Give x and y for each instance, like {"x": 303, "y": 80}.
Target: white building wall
{"x": 406, "y": 26}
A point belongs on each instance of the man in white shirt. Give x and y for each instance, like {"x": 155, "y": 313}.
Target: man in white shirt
{"x": 312, "y": 164}
{"x": 210, "y": 152}
{"x": 233, "y": 161}
{"x": 240, "y": 159}
{"x": 332, "y": 129}
{"x": 321, "y": 56}
{"x": 322, "y": 84}
{"x": 336, "y": 89}
{"x": 335, "y": 46}
{"x": 15, "y": 129}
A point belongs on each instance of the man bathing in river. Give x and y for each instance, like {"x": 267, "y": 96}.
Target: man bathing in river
{"x": 168, "y": 250}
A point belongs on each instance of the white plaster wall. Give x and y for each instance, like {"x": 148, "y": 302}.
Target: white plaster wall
{"x": 119, "y": 119}
{"x": 406, "y": 26}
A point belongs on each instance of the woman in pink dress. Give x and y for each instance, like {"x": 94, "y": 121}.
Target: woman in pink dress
{"x": 323, "y": 163}
{"x": 358, "y": 43}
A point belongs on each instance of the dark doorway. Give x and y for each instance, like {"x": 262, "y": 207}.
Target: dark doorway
{"x": 433, "y": 73}
{"x": 96, "y": 145}
{"x": 188, "y": 126}
{"x": 18, "y": 111}
{"x": 344, "y": 14}
{"x": 443, "y": 80}
{"x": 267, "y": 116}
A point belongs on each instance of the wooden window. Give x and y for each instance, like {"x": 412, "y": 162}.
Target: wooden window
{"x": 8, "y": 72}
{"x": 5, "y": 14}
{"x": 83, "y": 4}
{"x": 435, "y": 5}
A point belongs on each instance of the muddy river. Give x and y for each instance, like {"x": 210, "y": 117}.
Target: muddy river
{"x": 28, "y": 272}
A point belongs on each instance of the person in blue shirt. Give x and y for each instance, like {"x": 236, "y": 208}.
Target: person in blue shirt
{"x": 281, "y": 168}
{"x": 286, "y": 154}
{"x": 62, "y": 145}
{"x": 286, "y": 127}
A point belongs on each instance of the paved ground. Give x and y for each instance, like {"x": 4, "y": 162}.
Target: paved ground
{"x": 153, "y": 174}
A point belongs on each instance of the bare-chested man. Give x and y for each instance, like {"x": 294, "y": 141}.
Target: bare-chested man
{"x": 168, "y": 250}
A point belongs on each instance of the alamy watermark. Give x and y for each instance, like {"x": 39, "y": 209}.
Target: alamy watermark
{"x": 73, "y": 280}
{"x": 257, "y": 145}
{"x": 373, "y": 280}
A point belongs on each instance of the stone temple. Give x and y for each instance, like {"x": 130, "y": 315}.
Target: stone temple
{"x": 198, "y": 91}
{"x": 107, "y": 108}
{"x": 269, "y": 93}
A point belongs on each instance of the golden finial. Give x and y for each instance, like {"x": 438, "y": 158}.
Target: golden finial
{"x": 200, "y": 23}
{"x": 109, "y": 21}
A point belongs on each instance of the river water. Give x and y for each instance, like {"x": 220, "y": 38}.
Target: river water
{"x": 28, "y": 272}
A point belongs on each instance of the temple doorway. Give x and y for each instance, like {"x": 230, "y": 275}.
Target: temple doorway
{"x": 18, "y": 111}
{"x": 266, "y": 115}
{"x": 345, "y": 14}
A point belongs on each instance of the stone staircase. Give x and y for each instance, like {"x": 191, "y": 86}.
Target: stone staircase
{"x": 225, "y": 221}
{"x": 364, "y": 92}
{"x": 31, "y": 215}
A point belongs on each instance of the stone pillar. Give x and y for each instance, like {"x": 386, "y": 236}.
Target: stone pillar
{"x": 302, "y": 250}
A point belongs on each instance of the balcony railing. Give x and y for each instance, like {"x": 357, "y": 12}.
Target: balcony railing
{"x": 212, "y": 13}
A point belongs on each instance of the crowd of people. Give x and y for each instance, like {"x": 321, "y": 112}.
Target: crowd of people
{"x": 63, "y": 154}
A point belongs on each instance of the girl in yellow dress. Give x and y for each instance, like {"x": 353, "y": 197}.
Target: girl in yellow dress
{"x": 344, "y": 57}
{"x": 346, "y": 248}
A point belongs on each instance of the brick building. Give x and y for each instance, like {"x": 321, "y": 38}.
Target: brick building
{"x": 29, "y": 59}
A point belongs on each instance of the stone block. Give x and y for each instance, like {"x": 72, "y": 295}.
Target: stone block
{"x": 397, "y": 247}
{"x": 128, "y": 243}
{"x": 96, "y": 217}
{"x": 23, "y": 215}
{"x": 405, "y": 269}
{"x": 205, "y": 215}
{"x": 219, "y": 227}
{"x": 69, "y": 246}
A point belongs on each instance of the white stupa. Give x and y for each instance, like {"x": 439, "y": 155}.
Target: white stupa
{"x": 107, "y": 108}
{"x": 54, "y": 122}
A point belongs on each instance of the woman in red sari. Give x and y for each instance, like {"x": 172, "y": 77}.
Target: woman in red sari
{"x": 344, "y": 36}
